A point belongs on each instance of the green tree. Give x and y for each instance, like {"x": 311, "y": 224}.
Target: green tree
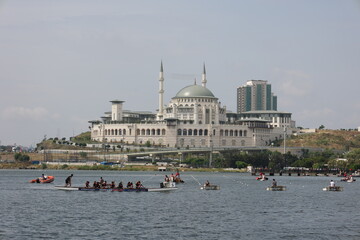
{"x": 321, "y": 127}
{"x": 241, "y": 164}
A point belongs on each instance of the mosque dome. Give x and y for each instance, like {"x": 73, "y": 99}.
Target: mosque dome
{"x": 194, "y": 91}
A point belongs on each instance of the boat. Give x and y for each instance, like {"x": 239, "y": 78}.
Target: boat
{"x": 164, "y": 187}
{"x": 48, "y": 179}
{"x": 333, "y": 189}
{"x": 262, "y": 178}
{"x": 210, "y": 187}
{"x": 276, "y": 188}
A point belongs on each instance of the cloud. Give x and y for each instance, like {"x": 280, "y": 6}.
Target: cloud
{"x": 36, "y": 113}
{"x": 294, "y": 83}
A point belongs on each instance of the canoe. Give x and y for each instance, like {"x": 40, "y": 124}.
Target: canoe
{"x": 333, "y": 189}
{"x": 115, "y": 189}
{"x": 277, "y": 188}
{"x": 210, "y": 187}
{"x": 262, "y": 179}
{"x": 48, "y": 179}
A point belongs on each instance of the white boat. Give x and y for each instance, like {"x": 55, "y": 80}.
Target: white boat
{"x": 210, "y": 187}
{"x": 333, "y": 189}
{"x": 276, "y": 188}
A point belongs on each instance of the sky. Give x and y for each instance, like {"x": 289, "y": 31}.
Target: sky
{"x": 61, "y": 62}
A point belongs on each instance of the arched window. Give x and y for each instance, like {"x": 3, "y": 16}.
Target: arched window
{"x": 205, "y": 132}
{"x": 153, "y": 132}
{"x": 221, "y": 132}
{"x": 116, "y": 132}
{"x": 190, "y": 132}
{"x": 226, "y": 133}
{"x": 137, "y": 131}
{"x": 147, "y": 132}
{"x": 158, "y": 131}
{"x": 214, "y": 131}
{"x": 240, "y": 133}
{"x": 179, "y": 132}
{"x": 184, "y": 132}
{"x": 200, "y": 132}
{"x": 231, "y": 133}
{"x": 195, "y": 132}
{"x": 112, "y": 131}
{"x": 163, "y": 132}
{"x": 120, "y": 132}
{"x": 124, "y": 131}
{"x": 245, "y": 133}
{"x": 143, "y": 132}
{"x": 236, "y": 133}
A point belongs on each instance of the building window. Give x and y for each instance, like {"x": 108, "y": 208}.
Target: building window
{"x": 205, "y": 132}
{"x": 179, "y": 132}
{"x": 124, "y": 131}
{"x": 184, "y": 132}
{"x": 163, "y": 132}
{"x": 200, "y": 132}
{"x": 143, "y": 132}
{"x": 190, "y": 132}
{"x": 195, "y": 132}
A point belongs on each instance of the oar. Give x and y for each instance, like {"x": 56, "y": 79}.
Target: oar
{"x": 196, "y": 180}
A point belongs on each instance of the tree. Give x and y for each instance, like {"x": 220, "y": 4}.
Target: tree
{"x": 241, "y": 164}
{"x": 321, "y": 127}
{"x": 21, "y": 157}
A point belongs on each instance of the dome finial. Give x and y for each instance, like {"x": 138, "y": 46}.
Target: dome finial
{"x": 195, "y": 81}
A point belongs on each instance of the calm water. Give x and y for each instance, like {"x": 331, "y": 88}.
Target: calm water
{"x": 242, "y": 209}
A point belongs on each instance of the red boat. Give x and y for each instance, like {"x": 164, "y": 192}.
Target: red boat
{"x": 48, "y": 179}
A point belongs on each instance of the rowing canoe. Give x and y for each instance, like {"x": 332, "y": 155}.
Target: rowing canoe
{"x": 115, "y": 189}
{"x": 211, "y": 187}
{"x": 276, "y": 188}
{"x": 333, "y": 189}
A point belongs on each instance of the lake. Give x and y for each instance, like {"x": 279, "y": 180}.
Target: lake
{"x": 241, "y": 209}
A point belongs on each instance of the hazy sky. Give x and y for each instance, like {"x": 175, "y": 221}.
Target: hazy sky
{"x": 61, "y": 62}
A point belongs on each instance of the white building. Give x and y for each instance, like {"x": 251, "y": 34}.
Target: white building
{"x": 193, "y": 118}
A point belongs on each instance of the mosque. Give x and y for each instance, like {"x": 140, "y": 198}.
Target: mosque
{"x": 194, "y": 118}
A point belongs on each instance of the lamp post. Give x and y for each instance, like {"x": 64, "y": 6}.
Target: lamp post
{"x": 284, "y": 140}
{"x": 211, "y": 150}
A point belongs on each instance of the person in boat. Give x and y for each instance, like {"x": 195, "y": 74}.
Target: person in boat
{"x": 207, "y": 183}
{"x": 120, "y": 186}
{"x": 130, "y": 185}
{"x": 263, "y": 177}
{"x": 274, "y": 183}
{"x": 332, "y": 184}
{"x": 95, "y": 184}
{"x": 87, "y": 184}
{"x": 101, "y": 181}
{"x": 112, "y": 185}
{"x": 138, "y": 185}
{"x": 44, "y": 177}
{"x": 167, "y": 178}
{"x": 68, "y": 181}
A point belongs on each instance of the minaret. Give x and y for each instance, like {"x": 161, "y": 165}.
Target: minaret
{"x": 203, "y": 82}
{"x": 161, "y": 93}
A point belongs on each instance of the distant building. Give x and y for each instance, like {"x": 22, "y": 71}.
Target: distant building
{"x": 256, "y": 95}
{"x": 193, "y": 118}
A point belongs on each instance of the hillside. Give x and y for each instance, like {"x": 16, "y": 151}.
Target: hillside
{"x": 328, "y": 139}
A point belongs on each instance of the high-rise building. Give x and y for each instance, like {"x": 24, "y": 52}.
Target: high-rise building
{"x": 256, "y": 95}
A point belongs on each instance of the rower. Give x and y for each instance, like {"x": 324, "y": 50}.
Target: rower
{"x": 274, "y": 183}
{"x": 332, "y": 184}
{"x": 207, "y": 183}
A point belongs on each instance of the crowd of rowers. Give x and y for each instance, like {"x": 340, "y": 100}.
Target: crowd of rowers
{"x": 102, "y": 184}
